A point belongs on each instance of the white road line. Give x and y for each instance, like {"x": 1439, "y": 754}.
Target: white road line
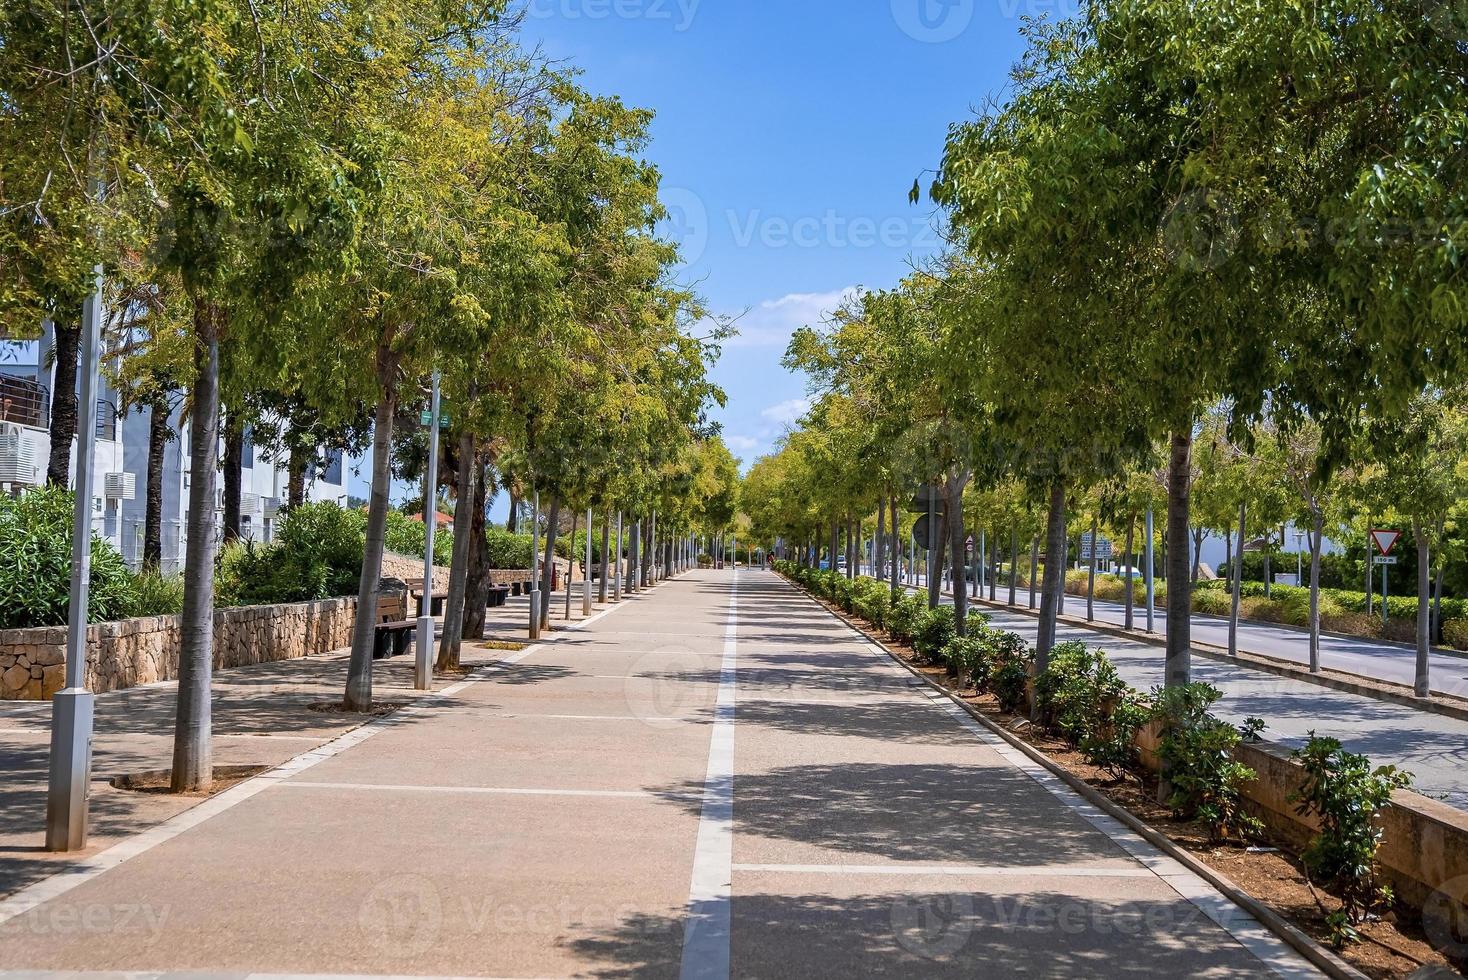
{"x": 73, "y": 875}
{"x": 472, "y": 790}
{"x": 948, "y": 871}
{"x": 706, "y": 930}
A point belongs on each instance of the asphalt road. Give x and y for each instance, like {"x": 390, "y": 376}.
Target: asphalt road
{"x": 715, "y": 779}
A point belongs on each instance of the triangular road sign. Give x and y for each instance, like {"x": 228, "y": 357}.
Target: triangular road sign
{"x": 1386, "y": 540}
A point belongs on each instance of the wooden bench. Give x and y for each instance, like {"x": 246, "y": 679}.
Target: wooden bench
{"x": 415, "y": 589}
{"x": 498, "y": 596}
{"x": 394, "y": 631}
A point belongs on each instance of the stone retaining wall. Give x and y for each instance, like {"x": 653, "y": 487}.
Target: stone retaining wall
{"x": 142, "y": 651}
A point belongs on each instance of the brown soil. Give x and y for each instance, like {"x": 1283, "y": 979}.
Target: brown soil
{"x": 1267, "y": 870}
{"x": 380, "y": 709}
{"x": 157, "y": 780}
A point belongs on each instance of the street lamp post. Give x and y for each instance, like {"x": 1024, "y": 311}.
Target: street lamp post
{"x": 72, "y": 709}
{"x": 618, "y": 562}
{"x": 422, "y": 666}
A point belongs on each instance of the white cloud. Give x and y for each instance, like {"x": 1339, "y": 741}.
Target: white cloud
{"x": 787, "y": 412}
{"x": 771, "y": 323}
{"x": 742, "y": 444}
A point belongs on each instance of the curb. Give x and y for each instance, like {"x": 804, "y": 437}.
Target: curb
{"x": 1438, "y": 704}
{"x": 1319, "y": 957}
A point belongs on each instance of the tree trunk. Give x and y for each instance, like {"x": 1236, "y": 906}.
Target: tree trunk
{"x": 512, "y": 522}
{"x": 358, "y": 696}
{"x": 1196, "y": 572}
{"x": 1437, "y": 595}
{"x": 1054, "y": 580}
{"x": 835, "y": 543}
{"x": 1179, "y": 668}
{"x": 1091, "y": 571}
{"x": 453, "y": 609}
{"x": 896, "y": 573}
{"x": 1268, "y": 575}
{"x": 1013, "y": 562}
{"x": 64, "y": 405}
{"x": 1131, "y": 570}
{"x": 571, "y": 565}
{"x": 1238, "y": 577}
{"x": 193, "y": 757}
{"x": 158, "y": 433}
{"x": 1424, "y": 612}
{"x": 954, "y": 509}
{"x": 477, "y": 591}
{"x": 879, "y": 546}
{"x": 1034, "y": 565}
{"x": 295, "y": 487}
{"x": 234, "y": 475}
{"x": 1317, "y": 533}
{"x": 547, "y": 570}
{"x": 606, "y": 558}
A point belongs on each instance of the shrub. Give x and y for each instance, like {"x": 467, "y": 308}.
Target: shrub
{"x": 506, "y": 550}
{"x": 1197, "y": 760}
{"x": 1009, "y": 664}
{"x": 155, "y": 594}
{"x": 1346, "y": 796}
{"x": 35, "y": 576}
{"x": 1455, "y": 632}
{"x": 1084, "y": 699}
{"x": 408, "y": 536}
{"x": 317, "y": 554}
{"x": 932, "y": 633}
{"x": 966, "y": 660}
{"x": 906, "y": 612}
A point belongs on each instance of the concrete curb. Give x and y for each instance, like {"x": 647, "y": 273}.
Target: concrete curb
{"x": 1320, "y": 957}
{"x": 1455, "y": 708}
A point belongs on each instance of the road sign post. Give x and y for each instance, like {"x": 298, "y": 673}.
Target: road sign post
{"x": 1385, "y": 540}
{"x": 422, "y": 663}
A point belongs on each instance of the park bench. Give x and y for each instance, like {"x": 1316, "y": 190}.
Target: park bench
{"x": 415, "y": 587}
{"x": 394, "y": 630}
{"x": 498, "y": 596}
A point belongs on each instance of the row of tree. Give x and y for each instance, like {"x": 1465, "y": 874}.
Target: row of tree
{"x": 303, "y": 210}
{"x": 1185, "y": 239}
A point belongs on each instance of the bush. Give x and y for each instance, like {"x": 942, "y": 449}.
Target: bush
{"x": 966, "y": 660}
{"x": 407, "y": 536}
{"x": 35, "y": 576}
{"x": 1197, "y": 759}
{"x": 1455, "y": 632}
{"x": 1084, "y": 699}
{"x": 1346, "y": 796}
{"x": 317, "y": 554}
{"x": 1009, "y": 663}
{"x": 906, "y": 613}
{"x": 933, "y": 632}
{"x": 508, "y": 551}
{"x": 155, "y": 594}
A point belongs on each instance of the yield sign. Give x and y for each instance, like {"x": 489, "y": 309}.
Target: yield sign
{"x": 1386, "y": 540}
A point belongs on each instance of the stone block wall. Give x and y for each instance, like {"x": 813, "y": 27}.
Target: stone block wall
{"x": 141, "y": 651}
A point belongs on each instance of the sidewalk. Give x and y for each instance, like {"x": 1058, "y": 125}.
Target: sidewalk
{"x": 261, "y": 718}
{"x": 582, "y": 810}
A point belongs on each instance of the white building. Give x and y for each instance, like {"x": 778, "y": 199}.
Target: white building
{"x": 119, "y": 485}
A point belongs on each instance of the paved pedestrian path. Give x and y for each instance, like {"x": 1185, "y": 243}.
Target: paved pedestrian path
{"x": 713, "y": 779}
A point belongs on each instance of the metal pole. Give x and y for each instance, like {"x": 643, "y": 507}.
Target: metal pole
{"x": 72, "y": 709}
{"x": 1151, "y": 585}
{"x": 586, "y": 570}
{"x": 618, "y": 563}
{"x": 535, "y": 566}
{"x": 422, "y": 664}
{"x": 1384, "y": 614}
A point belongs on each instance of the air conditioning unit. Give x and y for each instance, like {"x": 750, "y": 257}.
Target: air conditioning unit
{"x": 121, "y": 486}
{"x": 249, "y": 503}
{"x": 18, "y": 458}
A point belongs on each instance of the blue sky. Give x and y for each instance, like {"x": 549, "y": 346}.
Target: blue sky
{"x": 788, "y": 136}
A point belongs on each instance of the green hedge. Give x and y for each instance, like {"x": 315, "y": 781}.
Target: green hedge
{"x": 35, "y": 565}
